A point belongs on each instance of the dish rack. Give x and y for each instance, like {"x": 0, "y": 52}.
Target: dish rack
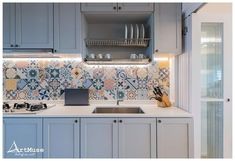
{"x": 118, "y": 43}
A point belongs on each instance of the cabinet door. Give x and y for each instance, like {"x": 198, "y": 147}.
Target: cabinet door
{"x": 61, "y": 137}
{"x": 137, "y": 138}
{"x": 34, "y": 25}
{"x": 174, "y": 137}
{"x": 67, "y": 28}
{"x": 99, "y": 138}
{"x": 168, "y": 34}
{"x": 8, "y": 25}
{"x": 20, "y": 133}
{"x": 99, "y": 7}
{"x": 136, "y": 7}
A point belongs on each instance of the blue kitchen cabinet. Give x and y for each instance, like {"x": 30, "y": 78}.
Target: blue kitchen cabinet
{"x": 137, "y": 138}
{"x": 168, "y": 28}
{"x": 22, "y": 138}
{"x": 135, "y": 7}
{"x": 118, "y": 138}
{"x": 117, "y": 7}
{"x": 34, "y": 25}
{"x": 61, "y": 137}
{"x": 67, "y": 28}
{"x": 8, "y": 25}
{"x": 99, "y": 138}
{"x": 174, "y": 137}
{"x": 28, "y": 25}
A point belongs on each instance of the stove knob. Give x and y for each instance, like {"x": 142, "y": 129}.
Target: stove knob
{"x": 15, "y": 105}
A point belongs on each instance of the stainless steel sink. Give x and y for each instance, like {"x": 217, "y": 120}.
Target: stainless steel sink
{"x": 121, "y": 110}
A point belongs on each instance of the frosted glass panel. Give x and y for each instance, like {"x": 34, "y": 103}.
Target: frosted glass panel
{"x": 212, "y": 60}
{"x": 212, "y": 88}
{"x": 212, "y": 130}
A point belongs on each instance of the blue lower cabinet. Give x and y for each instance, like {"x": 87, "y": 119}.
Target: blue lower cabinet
{"x": 118, "y": 138}
{"x": 61, "y": 137}
{"x": 99, "y": 137}
{"x": 22, "y": 138}
{"x": 137, "y": 137}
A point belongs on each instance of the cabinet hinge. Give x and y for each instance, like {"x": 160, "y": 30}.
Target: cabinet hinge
{"x": 185, "y": 30}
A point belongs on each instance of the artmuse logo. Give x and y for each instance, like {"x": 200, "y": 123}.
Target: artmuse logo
{"x": 25, "y": 151}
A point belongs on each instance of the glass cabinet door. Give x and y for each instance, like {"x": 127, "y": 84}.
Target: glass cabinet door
{"x": 211, "y": 90}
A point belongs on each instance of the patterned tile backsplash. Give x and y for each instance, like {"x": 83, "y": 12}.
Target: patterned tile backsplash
{"x": 47, "y": 79}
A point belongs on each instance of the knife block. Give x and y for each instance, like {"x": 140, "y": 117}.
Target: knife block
{"x": 161, "y": 104}
{"x": 165, "y": 101}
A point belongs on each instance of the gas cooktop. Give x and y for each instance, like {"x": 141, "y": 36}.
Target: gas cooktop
{"x": 25, "y": 107}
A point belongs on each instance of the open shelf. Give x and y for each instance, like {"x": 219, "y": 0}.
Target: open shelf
{"x": 108, "y": 34}
{"x": 118, "y": 43}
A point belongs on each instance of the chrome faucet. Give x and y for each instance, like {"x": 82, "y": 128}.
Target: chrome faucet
{"x": 118, "y": 99}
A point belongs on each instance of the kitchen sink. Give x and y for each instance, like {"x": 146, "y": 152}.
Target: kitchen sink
{"x": 121, "y": 110}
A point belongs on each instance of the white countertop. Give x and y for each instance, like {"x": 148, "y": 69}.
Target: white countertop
{"x": 149, "y": 107}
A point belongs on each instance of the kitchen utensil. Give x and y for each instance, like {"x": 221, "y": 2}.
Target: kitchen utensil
{"x": 155, "y": 93}
{"x": 137, "y": 32}
{"x": 133, "y": 56}
{"x": 158, "y": 91}
{"x": 131, "y": 31}
{"x": 107, "y": 56}
{"x": 141, "y": 56}
{"x": 126, "y": 31}
{"x": 100, "y": 56}
{"x": 92, "y": 56}
{"x": 76, "y": 97}
{"x": 142, "y": 32}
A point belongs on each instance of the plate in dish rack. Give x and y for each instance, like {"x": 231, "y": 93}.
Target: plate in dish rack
{"x": 142, "y": 31}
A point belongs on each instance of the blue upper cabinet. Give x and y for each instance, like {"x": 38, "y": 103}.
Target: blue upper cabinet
{"x": 20, "y": 133}
{"x": 117, "y": 7}
{"x": 28, "y": 25}
{"x": 34, "y": 25}
{"x": 61, "y": 137}
{"x": 99, "y": 7}
{"x": 135, "y": 7}
{"x": 8, "y": 25}
{"x": 67, "y": 28}
{"x": 168, "y": 28}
